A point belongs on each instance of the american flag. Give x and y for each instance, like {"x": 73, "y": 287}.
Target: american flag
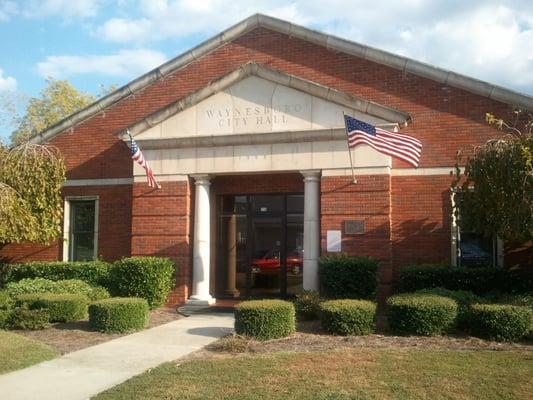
{"x": 393, "y": 144}
{"x": 137, "y": 156}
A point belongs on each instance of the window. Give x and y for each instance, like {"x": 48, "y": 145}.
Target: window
{"x": 470, "y": 249}
{"x": 81, "y": 222}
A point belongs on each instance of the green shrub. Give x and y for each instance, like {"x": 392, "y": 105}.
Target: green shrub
{"x": 348, "y": 277}
{"x": 6, "y": 305}
{"x": 118, "y": 314}
{"x": 150, "y": 278}
{"x": 61, "y": 307}
{"x": 6, "y": 302}
{"x": 477, "y": 280}
{"x": 348, "y": 317}
{"x": 500, "y": 322}
{"x": 92, "y": 272}
{"x": 463, "y": 298}
{"x": 265, "y": 319}
{"x": 24, "y": 318}
{"x": 5, "y": 316}
{"x": 41, "y": 285}
{"x": 307, "y": 305}
{"x": 421, "y": 314}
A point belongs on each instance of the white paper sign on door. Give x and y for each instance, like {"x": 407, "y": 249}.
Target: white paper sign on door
{"x": 333, "y": 241}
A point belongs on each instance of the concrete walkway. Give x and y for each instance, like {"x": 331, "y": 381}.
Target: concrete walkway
{"x": 85, "y": 373}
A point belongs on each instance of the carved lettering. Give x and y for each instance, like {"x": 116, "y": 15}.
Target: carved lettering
{"x": 250, "y": 116}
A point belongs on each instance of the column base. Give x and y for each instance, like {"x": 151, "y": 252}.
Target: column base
{"x": 233, "y": 293}
{"x": 201, "y": 301}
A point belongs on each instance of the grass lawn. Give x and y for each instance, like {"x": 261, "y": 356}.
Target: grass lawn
{"x": 17, "y": 352}
{"x": 334, "y": 375}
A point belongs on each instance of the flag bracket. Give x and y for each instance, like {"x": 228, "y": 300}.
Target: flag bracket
{"x": 354, "y": 181}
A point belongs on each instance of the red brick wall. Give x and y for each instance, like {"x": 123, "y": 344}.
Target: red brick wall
{"x": 161, "y": 226}
{"x": 114, "y": 215}
{"x": 421, "y": 219}
{"x": 444, "y": 118}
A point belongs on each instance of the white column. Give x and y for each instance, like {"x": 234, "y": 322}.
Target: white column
{"x": 201, "y": 246}
{"x": 311, "y": 229}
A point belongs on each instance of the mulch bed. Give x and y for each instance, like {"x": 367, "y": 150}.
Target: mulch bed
{"x": 69, "y": 337}
{"x": 310, "y": 337}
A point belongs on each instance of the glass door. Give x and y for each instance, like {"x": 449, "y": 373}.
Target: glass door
{"x": 268, "y": 252}
{"x": 260, "y": 245}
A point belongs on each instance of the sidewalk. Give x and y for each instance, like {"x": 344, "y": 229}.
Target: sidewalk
{"x": 87, "y": 372}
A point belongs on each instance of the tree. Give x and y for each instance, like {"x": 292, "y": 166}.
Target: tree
{"x": 497, "y": 184}
{"x": 56, "y": 101}
{"x": 31, "y": 176}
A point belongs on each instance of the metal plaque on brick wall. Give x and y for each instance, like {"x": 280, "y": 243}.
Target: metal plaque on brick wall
{"x": 354, "y": 227}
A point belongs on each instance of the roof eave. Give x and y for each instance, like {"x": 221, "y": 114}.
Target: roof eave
{"x": 334, "y": 43}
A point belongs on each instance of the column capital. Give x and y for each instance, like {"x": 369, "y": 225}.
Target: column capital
{"x": 311, "y": 175}
{"x": 202, "y": 179}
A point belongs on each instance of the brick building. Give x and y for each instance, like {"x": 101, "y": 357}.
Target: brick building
{"x": 245, "y": 134}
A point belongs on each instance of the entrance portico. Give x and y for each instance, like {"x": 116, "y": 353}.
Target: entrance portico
{"x": 252, "y": 122}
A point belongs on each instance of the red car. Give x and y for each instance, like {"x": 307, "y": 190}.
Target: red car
{"x": 269, "y": 263}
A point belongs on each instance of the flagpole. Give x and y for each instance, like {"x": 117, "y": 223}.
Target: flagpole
{"x": 349, "y": 149}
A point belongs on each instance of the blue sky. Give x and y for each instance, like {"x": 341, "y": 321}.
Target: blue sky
{"x": 93, "y": 42}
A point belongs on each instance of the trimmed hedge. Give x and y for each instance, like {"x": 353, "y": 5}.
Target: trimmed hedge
{"x": 348, "y": 277}
{"x": 500, "y": 322}
{"x": 150, "y": 278}
{"x": 265, "y": 319}
{"x": 118, "y": 315}
{"x": 92, "y": 272}
{"x": 421, "y": 314}
{"x": 60, "y": 307}
{"x": 6, "y": 302}
{"x": 477, "y": 280}
{"x": 24, "y": 318}
{"x": 348, "y": 317}
{"x": 463, "y": 298}
{"x": 307, "y": 305}
{"x": 41, "y": 285}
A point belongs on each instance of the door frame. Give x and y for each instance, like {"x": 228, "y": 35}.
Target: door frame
{"x": 250, "y": 215}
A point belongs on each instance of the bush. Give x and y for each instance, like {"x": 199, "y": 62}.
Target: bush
{"x": 463, "y": 298}
{"x": 6, "y": 302}
{"x": 421, "y": 314}
{"x": 477, "y": 280}
{"x": 500, "y": 322}
{"x": 60, "y": 307}
{"x": 118, "y": 314}
{"x": 41, "y": 285}
{"x": 348, "y": 277}
{"x": 307, "y": 305}
{"x": 150, "y": 278}
{"x": 348, "y": 317}
{"x": 24, "y": 318}
{"x": 5, "y": 316}
{"x": 92, "y": 272}
{"x": 265, "y": 319}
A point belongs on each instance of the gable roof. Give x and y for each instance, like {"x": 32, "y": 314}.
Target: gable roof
{"x": 402, "y": 63}
{"x": 279, "y": 77}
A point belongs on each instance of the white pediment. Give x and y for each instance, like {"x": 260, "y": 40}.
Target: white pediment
{"x": 255, "y": 105}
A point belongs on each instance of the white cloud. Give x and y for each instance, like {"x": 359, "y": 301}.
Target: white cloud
{"x": 124, "y": 63}
{"x": 491, "y": 40}
{"x": 66, "y": 9}
{"x": 7, "y": 83}
{"x": 7, "y": 9}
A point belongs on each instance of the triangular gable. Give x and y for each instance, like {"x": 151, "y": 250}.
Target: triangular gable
{"x": 258, "y": 99}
